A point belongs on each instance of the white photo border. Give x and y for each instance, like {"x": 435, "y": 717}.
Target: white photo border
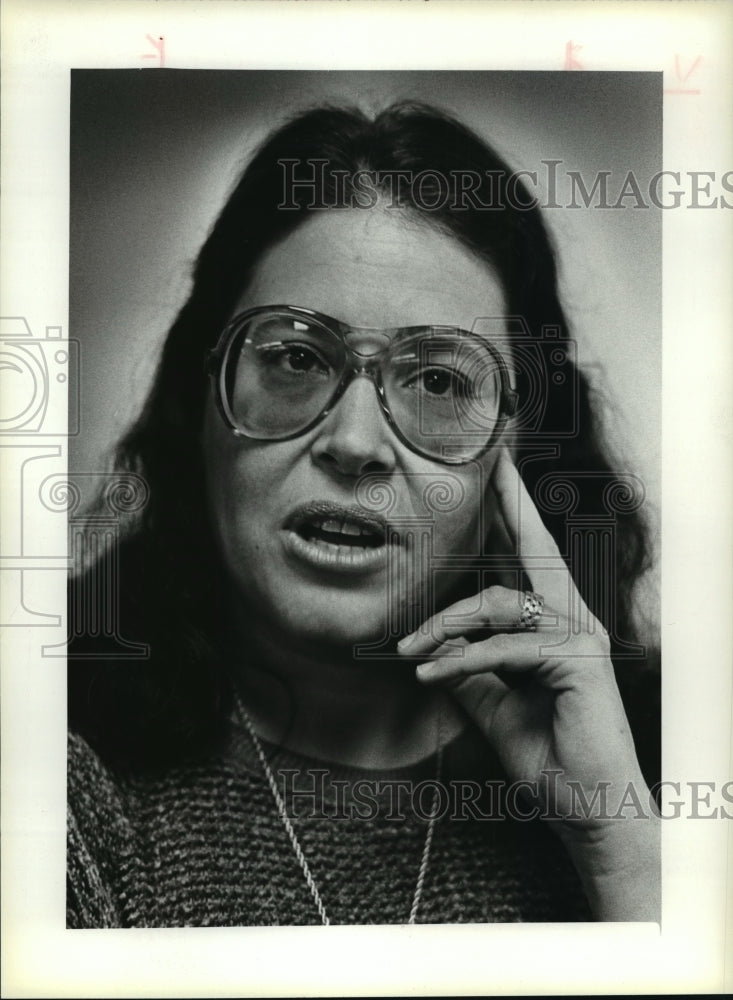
{"x": 691, "y": 44}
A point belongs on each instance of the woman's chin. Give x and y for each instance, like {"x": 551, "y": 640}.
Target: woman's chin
{"x": 344, "y": 621}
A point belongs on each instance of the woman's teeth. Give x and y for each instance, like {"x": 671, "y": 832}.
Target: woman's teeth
{"x": 331, "y": 531}
{"x": 334, "y": 540}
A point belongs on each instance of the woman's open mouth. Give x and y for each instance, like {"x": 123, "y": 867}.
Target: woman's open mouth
{"x": 332, "y": 536}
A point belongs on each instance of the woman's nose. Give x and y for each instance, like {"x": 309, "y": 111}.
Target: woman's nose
{"x": 355, "y": 437}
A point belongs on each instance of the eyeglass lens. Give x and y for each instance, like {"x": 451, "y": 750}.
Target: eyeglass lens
{"x": 442, "y": 388}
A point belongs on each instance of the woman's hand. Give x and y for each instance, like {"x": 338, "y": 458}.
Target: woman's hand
{"x": 548, "y": 702}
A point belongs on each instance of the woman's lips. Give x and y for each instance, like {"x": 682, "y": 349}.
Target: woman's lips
{"x": 333, "y": 536}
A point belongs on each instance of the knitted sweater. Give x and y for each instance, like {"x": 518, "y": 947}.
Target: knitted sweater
{"x": 202, "y": 844}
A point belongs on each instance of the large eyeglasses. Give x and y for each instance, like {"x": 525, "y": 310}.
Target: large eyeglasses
{"x": 279, "y": 370}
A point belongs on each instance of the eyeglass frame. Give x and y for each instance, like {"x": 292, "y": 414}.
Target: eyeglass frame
{"x": 365, "y": 365}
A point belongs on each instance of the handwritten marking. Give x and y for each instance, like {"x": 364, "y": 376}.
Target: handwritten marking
{"x": 683, "y": 79}
{"x": 570, "y": 61}
{"x": 159, "y": 45}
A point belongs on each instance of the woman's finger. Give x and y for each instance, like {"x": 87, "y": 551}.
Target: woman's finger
{"x": 496, "y": 607}
{"x": 543, "y": 563}
{"x": 499, "y": 542}
{"x": 479, "y": 694}
{"x": 515, "y": 654}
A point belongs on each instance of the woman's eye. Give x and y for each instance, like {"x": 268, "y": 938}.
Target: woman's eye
{"x": 438, "y": 382}
{"x": 291, "y": 358}
{"x": 300, "y": 359}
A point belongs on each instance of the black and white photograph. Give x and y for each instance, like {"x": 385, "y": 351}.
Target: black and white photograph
{"x": 372, "y": 642}
{"x": 342, "y": 552}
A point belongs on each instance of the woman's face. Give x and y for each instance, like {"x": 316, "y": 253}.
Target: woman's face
{"x": 303, "y": 568}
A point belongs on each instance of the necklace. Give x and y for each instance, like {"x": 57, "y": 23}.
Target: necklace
{"x": 304, "y": 866}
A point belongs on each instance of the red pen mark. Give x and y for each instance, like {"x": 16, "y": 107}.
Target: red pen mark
{"x": 159, "y": 45}
{"x": 570, "y": 61}
{"x": 683, "y": 79}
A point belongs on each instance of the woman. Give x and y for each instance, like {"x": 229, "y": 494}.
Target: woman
{"x": 374, "y": 692}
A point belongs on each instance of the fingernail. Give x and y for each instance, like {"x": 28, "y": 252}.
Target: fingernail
{"x": 425, "y": 669}
{"x": 406, "y": 642}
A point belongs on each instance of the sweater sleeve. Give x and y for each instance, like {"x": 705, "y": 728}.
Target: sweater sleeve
{"x": 98, "y": 837}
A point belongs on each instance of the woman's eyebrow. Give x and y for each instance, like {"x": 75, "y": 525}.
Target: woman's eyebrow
{"x": 405, "y": 356}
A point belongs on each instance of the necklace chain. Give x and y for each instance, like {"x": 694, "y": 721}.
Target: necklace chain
{"x": 283, "y": 814}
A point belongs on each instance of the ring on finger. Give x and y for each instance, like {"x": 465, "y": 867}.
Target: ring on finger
{"x": 531, "y": 611}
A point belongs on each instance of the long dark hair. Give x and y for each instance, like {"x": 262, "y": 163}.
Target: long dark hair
{"x": 173, "y": 702}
